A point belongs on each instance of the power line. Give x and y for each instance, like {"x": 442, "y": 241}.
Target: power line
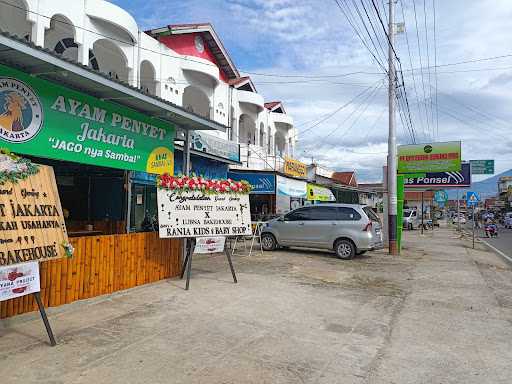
{"x": 366, "y": 99}
{"x": 373, "y": 28}
{"x": 386, "y": 33}
{"x": 405, "y": 122}
{"x": 476, "y": 60}
{"x": 421, "y": 64}
{"x": 428, "y": 65}
{"x": 412, "y": 70}
{"x": 384, "y": 29}
{"x": 311, "y": 76}
{"x": 359, "y": 35}
{"x": 331, "y": 114}
{"x": 435, "y": 65}
{"x": 366, "y": 105}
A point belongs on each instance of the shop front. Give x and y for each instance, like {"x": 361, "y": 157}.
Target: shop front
{"x": 317, "y": 194}
{"x": 290, "y": 194}
{"x": 143, "y": 212}
{"x": 262, "y": 197}
{"x": 105, "y": 157}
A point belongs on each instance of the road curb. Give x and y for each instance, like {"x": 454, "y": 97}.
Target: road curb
{"x": 496, "y": 250}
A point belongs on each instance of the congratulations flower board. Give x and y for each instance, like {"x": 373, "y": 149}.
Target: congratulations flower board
{"x": 32, "y": 226}
{"x": 190, "y": 207}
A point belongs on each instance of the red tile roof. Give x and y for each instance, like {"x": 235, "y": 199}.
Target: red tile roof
{"x": 238, "y": 80}
{"x": 273, "y": 105}
{"x": 346, "y": 178}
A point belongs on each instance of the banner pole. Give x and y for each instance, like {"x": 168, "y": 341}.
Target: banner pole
{"x": 40, "y": 305}
{"x": 473, "y": 227}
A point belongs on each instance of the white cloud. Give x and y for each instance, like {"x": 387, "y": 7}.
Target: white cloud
{"x": 304, "y": 37}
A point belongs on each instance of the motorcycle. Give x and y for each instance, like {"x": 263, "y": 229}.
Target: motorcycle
{"x": 491, "y": 230}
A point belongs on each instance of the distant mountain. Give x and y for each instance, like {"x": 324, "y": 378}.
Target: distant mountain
{"x": 485, "y": 188}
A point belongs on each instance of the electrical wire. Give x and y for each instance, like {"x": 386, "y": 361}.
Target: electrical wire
{"x": 371, "y": 25}
{"x": 420, "y": 116}
{"x": 359, "y": 35}
{"x": 475, "y": 60}
{"x": 331, "y": 114}
{"x": 365, "y": 100}
{"x": 421, "y": 64}
{"x": 435, "y": 65}
{"x": 386, "y": 33}
{"x": 428, "y": 65}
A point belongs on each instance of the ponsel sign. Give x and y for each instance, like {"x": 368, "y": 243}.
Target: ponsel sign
{"x": 431, "y": 157}
{"x": 43, "y": 119}
{"x": 460, "y": 179}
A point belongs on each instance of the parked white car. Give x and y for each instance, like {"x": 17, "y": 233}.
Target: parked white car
{"x": 411, "y": 220}
{"x": 461, "y": 219}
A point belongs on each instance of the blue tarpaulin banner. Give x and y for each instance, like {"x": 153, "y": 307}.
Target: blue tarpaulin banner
{"x": 262, "y": 183}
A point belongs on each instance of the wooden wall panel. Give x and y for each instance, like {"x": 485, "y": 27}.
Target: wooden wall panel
{"x": 101, "y": 265}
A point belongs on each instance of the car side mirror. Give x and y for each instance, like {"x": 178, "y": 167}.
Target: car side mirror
{"x": 281, "y": 218}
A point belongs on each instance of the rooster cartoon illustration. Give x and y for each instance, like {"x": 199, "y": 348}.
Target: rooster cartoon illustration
{"x": 12, "y": 118}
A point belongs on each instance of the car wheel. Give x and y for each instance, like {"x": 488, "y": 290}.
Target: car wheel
{"x": 345, "y": 249}
{"x": 268, "y": 242}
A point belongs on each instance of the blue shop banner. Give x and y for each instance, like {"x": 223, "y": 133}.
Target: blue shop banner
{"x": 201, "y": 166}
{"x": 460, "y": 179}
{"x": 262, "y": 183}
{"x": 213, "y": 145}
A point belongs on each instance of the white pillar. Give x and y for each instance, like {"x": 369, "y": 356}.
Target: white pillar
{"x": 37, "y": 35}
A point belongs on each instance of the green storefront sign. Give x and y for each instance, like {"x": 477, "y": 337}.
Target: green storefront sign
{"x": 482, "y": 167}
{"x": 43, "y": 119}
{"x": 432, "y": 157}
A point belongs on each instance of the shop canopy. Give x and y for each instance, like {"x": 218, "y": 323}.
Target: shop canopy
{"x": 40, "y": 62}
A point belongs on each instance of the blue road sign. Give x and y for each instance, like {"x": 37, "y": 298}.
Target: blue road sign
{"x": 472, "y": 198}
{"x": 441, "y": 196}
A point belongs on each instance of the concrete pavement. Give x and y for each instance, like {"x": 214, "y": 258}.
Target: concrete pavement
{"x": 440, "y": 313}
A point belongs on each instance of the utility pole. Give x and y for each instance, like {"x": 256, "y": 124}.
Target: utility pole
{"x": 392, "y": 193}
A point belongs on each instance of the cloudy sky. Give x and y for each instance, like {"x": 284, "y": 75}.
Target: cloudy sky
{"x": 334, "y": 88}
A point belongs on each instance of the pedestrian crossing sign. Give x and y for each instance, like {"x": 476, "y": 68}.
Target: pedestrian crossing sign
{"x": 472, "y": 198}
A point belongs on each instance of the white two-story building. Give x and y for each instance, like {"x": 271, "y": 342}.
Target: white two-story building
{"x": 186, "y": 65}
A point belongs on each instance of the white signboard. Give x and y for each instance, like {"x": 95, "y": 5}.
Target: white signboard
{"x": 196, "y": 214}
{"x": 290, "y": 187}
{"x": 210, "y": 244}
{"x": 19, "y": 280}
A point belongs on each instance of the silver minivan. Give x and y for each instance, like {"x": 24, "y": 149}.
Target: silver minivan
{"x": 348, "y": 229}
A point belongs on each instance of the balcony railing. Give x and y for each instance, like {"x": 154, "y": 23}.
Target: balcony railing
{"x": 251, "y": 98}
{"x": 257, "y": 157}
{"x": 282, "y": 118}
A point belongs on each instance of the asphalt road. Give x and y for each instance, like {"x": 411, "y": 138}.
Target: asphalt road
{"x": 503, "y": 242}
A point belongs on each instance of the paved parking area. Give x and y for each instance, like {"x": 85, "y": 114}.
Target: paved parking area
{"x": 440, "y": 313}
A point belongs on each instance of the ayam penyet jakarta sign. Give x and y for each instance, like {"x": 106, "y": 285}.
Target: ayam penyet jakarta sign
{"x": 44, "y": 119}
{"x": 194, "y": 207}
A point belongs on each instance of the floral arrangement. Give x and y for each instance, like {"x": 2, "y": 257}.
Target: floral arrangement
{"x": 69, "y": 250}
{"x": 14, "y": 168}
{"x": 197, "y": 183}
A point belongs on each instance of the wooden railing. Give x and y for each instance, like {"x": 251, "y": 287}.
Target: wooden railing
{"x": 101, "y": 265}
